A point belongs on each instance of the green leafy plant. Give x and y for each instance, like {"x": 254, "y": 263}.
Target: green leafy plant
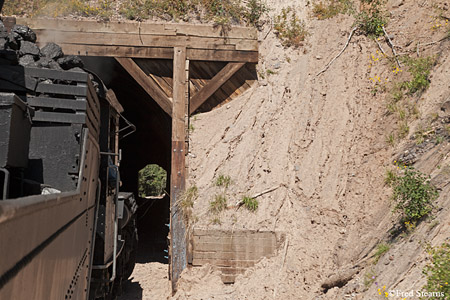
{"x": 218, "y": 204}
{"x": 419, "y": 69}
{"x": 369, "y": 278}
{"x": 438, "y": 272}
{"x": 223, "y": 181}
{"x": 188, "y": 197}
{"x": 403, "y": 129}
{"x": 250, "y": 203}
{"x": 371, "y": 19}
{"x": 254, "y": 11}
{"x": 289, "y": 28}
{"x": 380, "y": 251}
{"x": 413, "y": 194}
{"x": 152, "y": 180}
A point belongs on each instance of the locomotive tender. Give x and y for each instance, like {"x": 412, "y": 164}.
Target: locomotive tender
{"x": 66, "y": 230}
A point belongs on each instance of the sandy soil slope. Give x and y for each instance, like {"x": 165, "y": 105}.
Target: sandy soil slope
{"x": 322, "y": 140}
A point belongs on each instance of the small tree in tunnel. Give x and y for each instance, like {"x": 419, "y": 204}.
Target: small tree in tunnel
{"x": 152, "y": 180}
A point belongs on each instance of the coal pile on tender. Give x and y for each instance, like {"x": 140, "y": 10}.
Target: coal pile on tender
{"x": 19, "y": 48}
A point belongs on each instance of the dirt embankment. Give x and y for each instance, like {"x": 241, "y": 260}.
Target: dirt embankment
{"x": 324, "y": 140}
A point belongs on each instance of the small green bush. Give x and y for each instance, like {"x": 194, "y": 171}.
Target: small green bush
{"x": 254, "y": 11}
{"x": 413, "y": 194}
{"x": 381, "y": 250}
{"x": 223, "y": 181}
{"x": 218, "y": 204}
{"x": 188, "y": 197}
{"x": 371, "y": 19}
{"x": 250, "y": 203}
{"x": 152, "y": 180}
{"x": 438, "y": 272}
{"x": 420, "y": 69}
{"x": 289, "y": 28}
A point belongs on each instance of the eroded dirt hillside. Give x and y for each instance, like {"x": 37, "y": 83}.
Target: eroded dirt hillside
{"x": 324, "y": 140}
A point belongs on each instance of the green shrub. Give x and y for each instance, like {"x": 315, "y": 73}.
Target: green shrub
{"x": 152, "y": 180}
{"x": 218, "y": 204}
{"x": 188, "y": 197}
{"x": 413, "y": 194}
{"x": 255, "y": 9}
{"x": 371, "y": 19}
{"x": 289, "y": 28}
{"x": 381, "y": 250}
{"x": 420, "y": 69}
{"x": 223, "y": 181}
{"x": 438, "y": 272}
{"x": 250, "y": 203}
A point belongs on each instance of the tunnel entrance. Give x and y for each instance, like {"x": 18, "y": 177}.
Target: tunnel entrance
{"x": 148, "y": 90}
{"x": 149, "y": 146}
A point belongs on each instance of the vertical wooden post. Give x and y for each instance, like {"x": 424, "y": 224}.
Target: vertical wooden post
{"x": 178, "y": 175}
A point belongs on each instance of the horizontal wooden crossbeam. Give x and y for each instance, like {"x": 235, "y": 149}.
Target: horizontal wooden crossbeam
{"x": 147, "y": 40}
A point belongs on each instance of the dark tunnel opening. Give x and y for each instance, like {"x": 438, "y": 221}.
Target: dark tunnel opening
{"x": 150, "y": 144}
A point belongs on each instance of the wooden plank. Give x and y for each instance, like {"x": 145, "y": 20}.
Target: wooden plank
{"x": 214, "y": 31}
{"x": 222, "y": 55}
{"x": 142, "y": 28}
{"x": 157, "y": 69}
{"x": 178, "y": 170}
{"x": 115, "y": 51}
{"x": 57, "y": 103}
{"x": 112, "y": 99}
{"x": 93, "y": 101}
{"x": 212, "y": 86}
{"x": 61, "y": 89}
{"x": 59, "y": 117}
{"x": 118, "y": 39}
{"x": 147, "y": 83}
{"x": 157, "y": 52}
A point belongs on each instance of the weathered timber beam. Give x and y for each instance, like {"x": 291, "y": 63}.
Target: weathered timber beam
{"x": 149, "y": 85}
{"x": 203, "y": 30}
{"x": 212, "y": 86}
{"x": 158, "y": 52}
{"x": 116, "y": 51}
{"x": 178, "y": 259}
{"x": 146, "y": 40}
{"x": 222, "y": 55}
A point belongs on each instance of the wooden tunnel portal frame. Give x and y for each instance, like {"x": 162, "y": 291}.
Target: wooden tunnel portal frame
{"x": 182, "y": 43}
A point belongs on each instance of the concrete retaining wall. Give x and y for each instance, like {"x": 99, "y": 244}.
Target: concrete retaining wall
{"x": 232, "y": 251}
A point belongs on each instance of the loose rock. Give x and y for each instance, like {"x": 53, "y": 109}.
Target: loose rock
{"x": 52, "y": 50}
{"x": 445, "y": 108}
{"x": 26, "y": 60}
{"x": 45, "y": 62}
{"x": 25, "y": 32}
{"x": 70, "y": 61}
{"x": 29, "y": 48}
{"x": 13, "y": 41}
